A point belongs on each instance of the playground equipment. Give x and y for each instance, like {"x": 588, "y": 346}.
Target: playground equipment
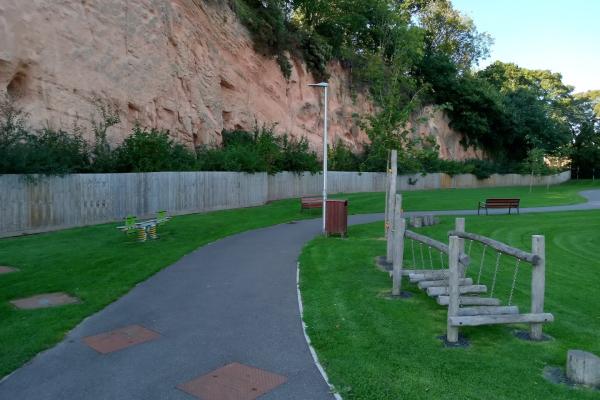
{"x": 144, "y": 228}
{"x": 452, "y": 284}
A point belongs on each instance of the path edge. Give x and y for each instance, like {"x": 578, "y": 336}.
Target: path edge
{"x": 313, "y": 353}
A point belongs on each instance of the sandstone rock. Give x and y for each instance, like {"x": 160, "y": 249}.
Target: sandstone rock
{"x": 184, "y": 65}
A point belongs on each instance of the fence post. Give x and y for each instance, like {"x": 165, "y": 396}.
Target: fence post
{"x": 459, "y": 226}
{"x": 538, "y": 283}
{"x": 398, "y": 240}
{"x": 453, "y": 276}
{"x": 391, "y": 201}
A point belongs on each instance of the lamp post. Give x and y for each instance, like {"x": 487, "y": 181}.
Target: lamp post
{"x": 325, "y": 86}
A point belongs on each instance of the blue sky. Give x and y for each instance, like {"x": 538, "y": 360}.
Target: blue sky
{"x": 559, "y": 35}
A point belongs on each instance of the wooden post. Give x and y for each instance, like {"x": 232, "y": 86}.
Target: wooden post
{"x": 391, "y": 201}
{"x": 453, "y": 289}
{"x": 538, "y": 283}
{"x": 459, "y": 226}
{"x": 387, "y": 196}
{"x": 398, "y": 262}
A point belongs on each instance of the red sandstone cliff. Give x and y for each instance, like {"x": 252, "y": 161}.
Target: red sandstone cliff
{"x": 184, "y": 65}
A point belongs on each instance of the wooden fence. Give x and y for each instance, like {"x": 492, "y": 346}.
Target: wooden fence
{"x": 51, "y": 203}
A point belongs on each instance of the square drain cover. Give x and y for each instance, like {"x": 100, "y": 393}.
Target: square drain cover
{"x": 233, "y": 382}
{"x": 44, "y": 300}
{"x": 120, "y": 339}
{"x": 6, "y": 270}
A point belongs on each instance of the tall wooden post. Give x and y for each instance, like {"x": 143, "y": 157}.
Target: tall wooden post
{"x": 538, "y": 283}
{"x": 459, "y": 226}
{"x": 453, "y": 289}
{"x": 398, "y": 239}
{"x": 391, "y": 201}
{"x": 387, "y": 196}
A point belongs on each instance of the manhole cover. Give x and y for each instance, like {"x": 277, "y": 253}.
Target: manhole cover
{"x": 120, "y": 339}
{"x": 7, "y": 270}
{"x": 233, "y": 382}
{"x": 44, "y": 300}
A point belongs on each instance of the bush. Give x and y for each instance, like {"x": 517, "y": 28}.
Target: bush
{"x": 258, "y": 151}
{"x": 152, "y": 151}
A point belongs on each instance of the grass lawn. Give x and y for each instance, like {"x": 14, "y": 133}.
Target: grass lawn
{"x": 466, "y": 199}
{"x": 98, "y": 264}
{"x": 376, "y": 348}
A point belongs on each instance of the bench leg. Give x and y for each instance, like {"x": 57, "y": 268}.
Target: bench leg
{"x": 508, "y": 210}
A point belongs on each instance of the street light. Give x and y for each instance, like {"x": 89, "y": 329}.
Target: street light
{"x": 325, "y": 86}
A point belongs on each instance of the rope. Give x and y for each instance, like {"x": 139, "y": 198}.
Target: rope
{"x": 470, "y": 245}
{"x": 481, "y": 264}
{"x": 422, "y": 258}
{"x": 495, "y": 274}
{"x": 430, "y": 258}
{"x": 442, "y": 259}
{"x": 414, "y": 259}
{"x": 512, "y": 288}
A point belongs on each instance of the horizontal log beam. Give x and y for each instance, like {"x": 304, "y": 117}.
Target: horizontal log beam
{"x": 443, "y": 282}
{"x": 408, "y": 272}
{"x": 477, "y": 320}
{"x": 444, "y": 290}
{"x": 487, "y": 310}
{"x": 427, "y": 240}
{"x": 470, "y": 301}
{"x": 429, "y": 276}
{"x": 499, "y": 246}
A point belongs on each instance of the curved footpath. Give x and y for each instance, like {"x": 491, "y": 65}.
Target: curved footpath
{"x": 232, "y": 301}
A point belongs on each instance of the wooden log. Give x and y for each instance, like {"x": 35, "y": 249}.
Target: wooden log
{"x": 459, "y": 226}
{"x": 398, "y": 238}
{"x": 444, "y": 282}
{"x": 428, "y": 241}
{"x": 453, "y": 289}
{"x": 538, "y": 282}
{"x": 470, "y": 301}
{"x": 418, "y": 222}
{"x": 487, "y": 310}
{"x": 477, "y": 320}
{"x": 499, "y": 246}
{"x": 408, "y": 272}
{"x": 445, "y": 290}
{"x": 432, "y": 276}
{"x": 391, "y": 201}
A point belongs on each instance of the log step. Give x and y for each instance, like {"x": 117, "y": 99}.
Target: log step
{"x": 487, "y": 310}
{"x": 476, "y": 320}
{"x": 408, "y": 272}
{"x": 470, "y": 301}
{"x": 444, "y": 290}
{"x": 444, "y": 282}
{"x": 429, "y": 276}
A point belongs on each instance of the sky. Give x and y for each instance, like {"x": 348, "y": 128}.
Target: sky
{"x": 559, "y": 35}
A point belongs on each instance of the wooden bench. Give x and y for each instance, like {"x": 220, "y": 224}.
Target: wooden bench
{"x": 311, "y": 202}
{"x": 499, "y": 203}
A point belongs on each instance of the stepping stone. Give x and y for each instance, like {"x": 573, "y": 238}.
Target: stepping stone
{"x": 44, "y": 301}
{"x": 233, "y": 382}
{"x": 120, "y": 339}
{"x": 7, "y": 270}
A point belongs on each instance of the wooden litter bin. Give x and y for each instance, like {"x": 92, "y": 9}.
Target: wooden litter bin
{"x": 337, "y": 217}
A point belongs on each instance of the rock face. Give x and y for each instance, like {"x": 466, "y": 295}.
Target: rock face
{"x": 184, "y": 65}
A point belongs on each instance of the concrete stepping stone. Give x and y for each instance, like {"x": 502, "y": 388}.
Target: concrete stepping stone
{"x": 119, "y": 339}
{"x": 233, "y": 381}
{"x": 44, "y": 301}
{"x": 7, "y": 270}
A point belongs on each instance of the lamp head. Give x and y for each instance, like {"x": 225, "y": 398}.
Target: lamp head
{"x": 322, "y": 84}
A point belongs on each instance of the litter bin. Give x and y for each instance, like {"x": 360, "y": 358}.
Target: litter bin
{"x": 336, "y": 221}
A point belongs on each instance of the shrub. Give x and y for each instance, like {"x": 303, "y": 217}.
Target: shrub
{"x": 152, "y": 151}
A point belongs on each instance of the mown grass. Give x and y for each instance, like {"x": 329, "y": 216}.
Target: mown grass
{"x": 98, "y": 264}
{"x": 376, "y": 348}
